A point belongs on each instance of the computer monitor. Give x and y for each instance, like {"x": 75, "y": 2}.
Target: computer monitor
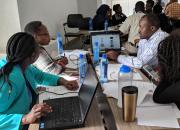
{"x": 108, "y": 40}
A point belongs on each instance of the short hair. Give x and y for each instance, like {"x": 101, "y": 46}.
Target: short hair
{"x": 33, "y": 27}
{"x": 157, "y": 9}
{"x": 169, "y": 58}
{"x": 139, "y": 6}
{"x": 151, "y": 2}
{"x": 115, "y": 7}
{"x": 152, "y": 19}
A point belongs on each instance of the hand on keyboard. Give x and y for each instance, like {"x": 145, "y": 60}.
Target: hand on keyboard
{"x": 36, "y": 112}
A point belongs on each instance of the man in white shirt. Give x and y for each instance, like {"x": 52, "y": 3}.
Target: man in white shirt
{"x": 131, "y": 24}
{"x": 150, "y": 37}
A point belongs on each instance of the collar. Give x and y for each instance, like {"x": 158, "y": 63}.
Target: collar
{"x": 154, "y": 34}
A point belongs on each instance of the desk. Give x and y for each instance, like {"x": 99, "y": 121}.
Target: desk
{"x": 95, "y": 121}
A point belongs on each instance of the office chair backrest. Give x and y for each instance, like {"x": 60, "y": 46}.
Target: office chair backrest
{"x": 85, "y": 23}
{"x": 74, "y": 20}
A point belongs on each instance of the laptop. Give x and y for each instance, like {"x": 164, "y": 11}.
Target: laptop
{"x": 71, "y": 112}
{"x": 108, "y": 40}
{"x": 46, "y": 63}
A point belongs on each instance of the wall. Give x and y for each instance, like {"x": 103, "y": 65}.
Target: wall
{"x": 53, "y": 13}
{"x": 9, "y": 23}
{"x": 87, "y": 7}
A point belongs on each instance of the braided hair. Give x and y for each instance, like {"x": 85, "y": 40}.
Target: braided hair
{"x": 169, "y": 59}
{"x": 19, "y": 47}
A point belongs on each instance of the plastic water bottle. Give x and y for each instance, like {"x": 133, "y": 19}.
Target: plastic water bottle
{"x": 82, "y": 68}
{"x": 96, "y": 53}
{"x": 106, "y": 25}
{"x": 103, "y": 69}
{"x": 125, "y": 77}
{"x": 90, "y": 24}
{"x": 60, "y": 43}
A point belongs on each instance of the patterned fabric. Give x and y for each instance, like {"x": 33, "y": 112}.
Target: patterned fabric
{"x": 147, "y": 51}
{"x": 173, "y": 10}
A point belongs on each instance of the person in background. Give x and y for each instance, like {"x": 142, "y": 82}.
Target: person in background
{"x": 18, "y": 84}
{"x": 164, "y": 21}
{"x": 149, "y": 6}
{"x": 131, "y": 24}
{"x": 40, "y": 33}
{"x": 150, "y": 37}
{"x": 103, "y": 13}
{"x": 168, "y": 89}
{"x": 172, "y": 10}
{"x": 118, "y": 17}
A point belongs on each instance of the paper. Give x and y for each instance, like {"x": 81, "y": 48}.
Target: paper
{"x": 162, "y": 116}
{"x": 113, "y": 70}
{"x": 144, "y": 88}
{"x": 73, "y": 58}
{"x": 56, "y": 92}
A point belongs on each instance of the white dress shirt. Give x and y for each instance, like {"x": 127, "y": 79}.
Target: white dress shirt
{"x": 147, "y": 51}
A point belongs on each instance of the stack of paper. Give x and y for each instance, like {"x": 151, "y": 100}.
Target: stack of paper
{"x": 162, "y": 116}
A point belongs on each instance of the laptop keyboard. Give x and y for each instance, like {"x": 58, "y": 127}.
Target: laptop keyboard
{"x": 66, "y": 111}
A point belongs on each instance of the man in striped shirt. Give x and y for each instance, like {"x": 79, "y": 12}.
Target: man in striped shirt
{"x": 150, "y": 37}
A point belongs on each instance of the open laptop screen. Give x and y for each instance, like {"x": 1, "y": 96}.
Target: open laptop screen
{"x": 107, "y": 40}
{"x": 88, "y": 90}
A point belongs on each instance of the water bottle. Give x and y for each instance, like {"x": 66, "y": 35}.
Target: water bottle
{"x": 106, "y": 25}
{"x": 82, "y": 68}
{"x": 90, "y": 24}
{"x": 60, "y": 43}
{"x": 103, "y": 69}
{"x": 96, "y": 53}
{"x": 125, "y": 77}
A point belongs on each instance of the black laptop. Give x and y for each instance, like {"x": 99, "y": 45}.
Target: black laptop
{"x": 108, "y": 40}
{"x": 71, "y": 112}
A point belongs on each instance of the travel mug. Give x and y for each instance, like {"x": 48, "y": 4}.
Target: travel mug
{"x": 129, "y": 102}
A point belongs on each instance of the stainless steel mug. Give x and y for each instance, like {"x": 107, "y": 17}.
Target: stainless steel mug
{"x": 129, "y": 102}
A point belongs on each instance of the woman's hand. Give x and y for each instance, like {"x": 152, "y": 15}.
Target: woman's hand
{"x": 63, "y": 61}
{"x": 36, "y": 112}
{"x": 71, "y": 85}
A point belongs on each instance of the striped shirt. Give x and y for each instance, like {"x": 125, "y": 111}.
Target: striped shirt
{"x": 147, "y": 51}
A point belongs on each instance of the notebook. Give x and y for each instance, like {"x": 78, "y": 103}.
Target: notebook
{"x": 108, "y": 40}
{"x": 71, "y": 112}
{"x": 46, "y": 63}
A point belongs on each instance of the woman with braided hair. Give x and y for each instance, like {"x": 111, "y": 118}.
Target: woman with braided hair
{"x": 168, "y": 90}
{"x": 18, "y": 81}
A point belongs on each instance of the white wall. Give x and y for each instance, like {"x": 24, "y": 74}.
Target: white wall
{"x": 9, "y": 22}
{"x": 53, "y": 13}
{"x": 87, "y": 7}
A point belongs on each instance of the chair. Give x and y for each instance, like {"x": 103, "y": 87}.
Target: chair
{"x": 73, "y": 21}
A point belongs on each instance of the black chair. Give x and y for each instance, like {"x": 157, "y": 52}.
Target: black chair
{"x": 84, "y": 23}
{"x": 73, "y": 21}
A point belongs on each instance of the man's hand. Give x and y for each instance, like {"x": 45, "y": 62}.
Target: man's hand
{"x": 112, "y": 55}
{"x": 71, "y": 85}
